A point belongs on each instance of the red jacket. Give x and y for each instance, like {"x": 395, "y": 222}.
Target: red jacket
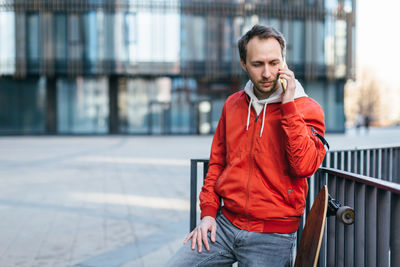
{"x": 261, "y": 180}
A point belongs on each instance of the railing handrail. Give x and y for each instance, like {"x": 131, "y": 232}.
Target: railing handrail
{"x": 381, "y": 184}
{"x": 200, "y": 160}
{"x": 358, "y": 148}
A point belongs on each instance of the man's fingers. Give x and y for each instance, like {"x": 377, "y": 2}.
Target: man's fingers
{"x": 199, "y": 243}
{"x": 205, "y": 239}
{"x": 194, "y": 239}
{"x": 213, "y": 232}
{"x": 188, "y": 237}
{"x": 284, "y": 76}
{"x": 286, "y": 71}
{"x": 200, "y": 234}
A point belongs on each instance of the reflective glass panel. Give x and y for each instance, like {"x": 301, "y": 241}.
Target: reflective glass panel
{"x": 180, "y": 113}
{"x": 82, "y": 105}
{"x": 22, "y": 106}
{"x": 60, "y": 36}
{"x": 33, "y": 37}
{"x": 144, "y": 105}
{"x": 7, "y": 43}
{"x": 340, "y": 48}
{"x": 91, "y": 36}
{"x": 298, "y": 42}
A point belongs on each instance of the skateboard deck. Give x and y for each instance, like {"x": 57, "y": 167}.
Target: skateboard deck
{"x": 311, "y": 237}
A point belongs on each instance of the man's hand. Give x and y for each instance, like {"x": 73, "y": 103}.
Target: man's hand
{"x": 199, "y": 234}
{"x": 288, "y": 75}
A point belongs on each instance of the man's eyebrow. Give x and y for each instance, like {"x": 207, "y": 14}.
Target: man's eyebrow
{"x": 257, "y": 61}
{"x": 261, "y": 61}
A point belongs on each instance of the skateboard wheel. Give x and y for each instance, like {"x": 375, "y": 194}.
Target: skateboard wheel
{"x": 345, "y": 214}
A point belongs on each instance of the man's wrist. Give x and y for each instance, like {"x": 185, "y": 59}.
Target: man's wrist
{"x": 208, "y": 211}
{"x": 284, "y": 101}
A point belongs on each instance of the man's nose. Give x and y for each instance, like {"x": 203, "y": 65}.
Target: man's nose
{"x": 266, "y": 72}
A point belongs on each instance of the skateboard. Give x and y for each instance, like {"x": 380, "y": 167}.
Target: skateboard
{"x": 310, "y": 243}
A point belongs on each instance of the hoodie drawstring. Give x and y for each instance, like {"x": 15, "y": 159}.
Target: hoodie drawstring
{"x": 248, "y": 115}
{"x": 262, "y": 125}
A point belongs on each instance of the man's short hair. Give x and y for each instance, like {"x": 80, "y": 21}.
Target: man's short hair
{"x": 262, "y": 32}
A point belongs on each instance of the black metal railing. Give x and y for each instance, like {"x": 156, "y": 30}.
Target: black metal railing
{"x": 193, "y": 188}
{"x": 378, "y": 162}
{"x": 374, "y": 239}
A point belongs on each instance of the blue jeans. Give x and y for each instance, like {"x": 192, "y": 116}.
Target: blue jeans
{"x": 235, "y": 245}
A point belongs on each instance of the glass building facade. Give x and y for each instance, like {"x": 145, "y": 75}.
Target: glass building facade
{"x": 157, "y": 67}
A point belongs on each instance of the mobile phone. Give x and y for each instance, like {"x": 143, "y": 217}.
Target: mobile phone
{"x": 283, "y": 81}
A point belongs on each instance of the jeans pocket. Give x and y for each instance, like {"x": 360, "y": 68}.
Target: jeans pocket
{"x": 290, "y": 236}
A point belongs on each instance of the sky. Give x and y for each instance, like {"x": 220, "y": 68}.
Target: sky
{"x": 378, "y": 51}
{"x": 378, "y": 38}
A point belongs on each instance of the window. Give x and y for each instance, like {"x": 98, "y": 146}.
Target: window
{"x": 193, "y": 38}
{"x": 91, "y": 36}
{"x": 340, "y": 48}
{"x": 7, "y": 44}
{"x": 33, "y": 37}
{"x": 130, "y": 33}
{"x": 74, "y": 37}
{"x": 60, "y": 36}
{"x": 22, "y": 105}
{"x": 82, "y": 105}
{"x": 298, "y": 45}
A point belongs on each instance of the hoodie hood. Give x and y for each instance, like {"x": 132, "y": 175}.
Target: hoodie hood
{"x": 261, "y": 104}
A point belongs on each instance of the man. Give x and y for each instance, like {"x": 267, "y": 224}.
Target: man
{"x": 264, "y": 147}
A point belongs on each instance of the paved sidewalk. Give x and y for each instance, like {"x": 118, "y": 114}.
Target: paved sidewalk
{"x": 94, "y": 201}
{"x": 105, "y": 201}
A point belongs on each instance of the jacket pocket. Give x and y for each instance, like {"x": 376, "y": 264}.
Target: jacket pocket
{"x": 291, "y": 197}
{"x": 298, "y": 194}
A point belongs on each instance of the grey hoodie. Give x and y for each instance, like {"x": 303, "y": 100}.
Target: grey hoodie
{"x": 276, "y": 97}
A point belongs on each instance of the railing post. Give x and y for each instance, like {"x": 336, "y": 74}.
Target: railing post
{"x": 359, "y": 231}
{"x": 371, "y": 226}
{"x": 361, "y": 162}
{"x": 368, "y": 163}
{"x": 205, "y": 169}
{"x": 355, "y": 162}
{"x": 193, "y": 194}
{"x": 349, "y": 229}
{"x": 383, "y": 224}
{"x": 390, "y": 160}
{"x": 395, "y": 231}
{"x": 373, "y": 162}
{"x": 379, "y": 167}
{"x": 339, "y": 226}
{"x": 331, "y": 230}
{"x": 396, "y": 165}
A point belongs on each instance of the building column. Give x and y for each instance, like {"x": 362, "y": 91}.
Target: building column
{"x": 113, "y": 117}
{"x": 51, "y": 105}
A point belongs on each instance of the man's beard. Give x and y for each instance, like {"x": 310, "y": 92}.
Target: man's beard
{"x": 271, "y": 91}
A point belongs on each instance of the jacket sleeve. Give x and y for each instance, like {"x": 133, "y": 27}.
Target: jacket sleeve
{"x": 209, "y": 200}
{"x": 305, "y": 152}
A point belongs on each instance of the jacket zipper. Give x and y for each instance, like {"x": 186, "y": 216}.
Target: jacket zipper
{"x": 251, "y": 163}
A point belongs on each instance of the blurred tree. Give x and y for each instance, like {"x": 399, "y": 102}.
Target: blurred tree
{"x": 363, "y": 97}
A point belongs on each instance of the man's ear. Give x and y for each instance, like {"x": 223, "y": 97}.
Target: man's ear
{"x": 243, "y": 64}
